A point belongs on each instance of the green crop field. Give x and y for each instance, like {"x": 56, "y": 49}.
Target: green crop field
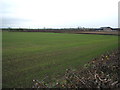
{"x": 35, "y": 55}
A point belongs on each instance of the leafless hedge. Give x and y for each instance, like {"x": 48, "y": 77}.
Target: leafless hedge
{"x": 102, "y": 72}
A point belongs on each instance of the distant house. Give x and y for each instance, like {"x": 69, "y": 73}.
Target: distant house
{"x": 106, "y": 28}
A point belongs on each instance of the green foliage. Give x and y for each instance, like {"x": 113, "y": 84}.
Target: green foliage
{"x": 33, "y": 55}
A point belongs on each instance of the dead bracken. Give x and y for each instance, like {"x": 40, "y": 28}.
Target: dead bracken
{"x": 102, "y": 72}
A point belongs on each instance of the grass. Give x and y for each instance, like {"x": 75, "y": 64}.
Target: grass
{"x": 34, "y": 55}
{"x": 0, "y": 59}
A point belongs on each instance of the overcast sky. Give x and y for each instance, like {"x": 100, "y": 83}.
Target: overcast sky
{"x": 59, "y": 13}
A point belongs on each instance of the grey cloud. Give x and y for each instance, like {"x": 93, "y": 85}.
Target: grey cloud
{"x": 13, "y": 21}
{"x": 119, "y": 14}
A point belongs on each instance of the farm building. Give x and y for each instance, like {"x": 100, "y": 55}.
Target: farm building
{"x": 106, "y": 28}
